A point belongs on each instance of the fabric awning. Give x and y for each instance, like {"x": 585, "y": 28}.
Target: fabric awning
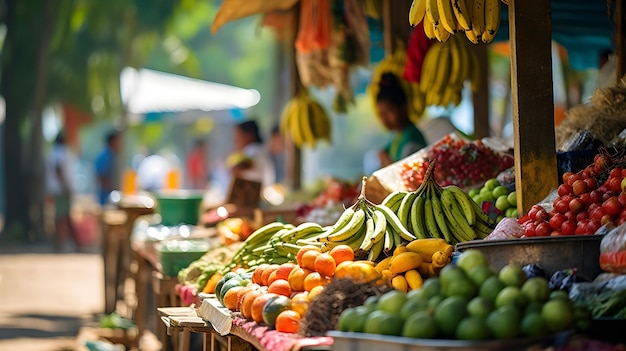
{"x": 147, "y": 91}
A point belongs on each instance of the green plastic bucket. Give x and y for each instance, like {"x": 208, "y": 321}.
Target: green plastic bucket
{"x": 179, "y": 206}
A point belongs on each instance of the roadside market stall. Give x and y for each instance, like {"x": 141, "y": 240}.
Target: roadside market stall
{"x": 431, "y": 253}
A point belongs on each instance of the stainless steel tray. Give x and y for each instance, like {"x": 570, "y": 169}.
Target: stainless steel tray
{"x": 553, "y": 253}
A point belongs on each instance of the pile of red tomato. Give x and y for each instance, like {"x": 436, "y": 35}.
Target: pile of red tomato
{"x": 585, "y": 202}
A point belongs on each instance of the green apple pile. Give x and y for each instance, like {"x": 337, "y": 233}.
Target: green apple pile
{"x": 505, "y": 201}
{"x": 468, "y": 301}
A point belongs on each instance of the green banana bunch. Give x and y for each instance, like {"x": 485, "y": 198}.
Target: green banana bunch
{"x": 435, "y": 212}
{"x": 395, "y": 63}
{"x": 446, "y": 68}
{"x": 478, "y": 19}
{"x": 275, "y": 242}
{"x": 368, "y": 229}
{"x": 305, "y": 121}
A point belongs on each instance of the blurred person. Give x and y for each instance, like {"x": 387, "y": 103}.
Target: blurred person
{"x": 107, "y": 167}
{"x": 59, "y": 187}
{"x": 251, "y": 161}
{"x": 391, "y": 107}
{"x": 277, "y": 153}
{"x": 152, "y": 173}
{"x": 196, "y": 166}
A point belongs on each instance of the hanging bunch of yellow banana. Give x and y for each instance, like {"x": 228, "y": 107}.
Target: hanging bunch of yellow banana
{"x": 305, "y": 121}
{"x": 395, "y": 64}
{"x": 478, "y": 19}
{"x": 445, "y": 69}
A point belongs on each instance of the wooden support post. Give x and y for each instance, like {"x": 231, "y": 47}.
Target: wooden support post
{"x": 533, "y": 102}
{"x": 620, "y": 39}
{"x": 395, "y": 23}
{"x": 481, "y": 97}
{"x": 293, "y": 163}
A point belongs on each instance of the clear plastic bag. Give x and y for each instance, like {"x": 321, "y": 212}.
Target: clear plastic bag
{"x": 613, "y": 251}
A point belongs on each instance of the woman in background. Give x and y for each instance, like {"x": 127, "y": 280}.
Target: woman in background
{"x": 391, "y": 107}
{"x": 252, "y": 160}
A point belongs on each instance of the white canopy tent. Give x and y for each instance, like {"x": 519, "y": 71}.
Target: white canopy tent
{"x": 147, "y": 91}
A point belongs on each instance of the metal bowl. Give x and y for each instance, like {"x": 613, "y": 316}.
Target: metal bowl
{"x": 552, "y": 253}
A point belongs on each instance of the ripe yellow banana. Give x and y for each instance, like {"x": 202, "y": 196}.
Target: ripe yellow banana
{"x": 456, "y": 80}
{"x": 471, "y": 36}
{"x": 429, "y": 68}
{"x": 446, "y": 15}
{"x": 417, "y": 12}
{"x": 474, "y": 72}
{"x": 442, "y": 75}
{"x": 462, "y": 13}
{"x": 464, "y": 52}
{"x": 432, "y": 11}
{"x": 492, "y": 20}
{"x": 441, "y": 34}
{"x": 429, "y": 27}
{"x": 320, "y": 122}
{"x": 306, "y": 118}
{"x": 478, "y": 21}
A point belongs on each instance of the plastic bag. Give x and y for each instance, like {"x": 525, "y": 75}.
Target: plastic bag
{"x": 613, "y": 251}
{"x": 507, "y": 228}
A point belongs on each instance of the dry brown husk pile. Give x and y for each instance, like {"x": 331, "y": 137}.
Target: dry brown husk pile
{"x": 604, "y": 116}
{"x": 324, "y": 310}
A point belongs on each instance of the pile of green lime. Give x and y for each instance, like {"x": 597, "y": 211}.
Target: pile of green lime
{"x": 468, "y": 301}
{"x": 503, "y": 199}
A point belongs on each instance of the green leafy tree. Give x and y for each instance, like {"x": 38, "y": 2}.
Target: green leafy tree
{"x": 69, "y": 51}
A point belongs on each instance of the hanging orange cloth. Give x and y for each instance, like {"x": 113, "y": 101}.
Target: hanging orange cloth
{"x": 314, "y": 29}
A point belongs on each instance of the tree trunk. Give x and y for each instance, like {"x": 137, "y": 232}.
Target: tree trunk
{"x": 37, "y": 170}
{"x": 15, "y": 189}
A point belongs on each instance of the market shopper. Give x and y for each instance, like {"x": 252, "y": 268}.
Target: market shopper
{"x": 107, "y": 167}
{"x": 251, "y": 160}
{"x": 391, "y": 107}
{"x": 197, "y": 166}
{"x": 277, "y": 153}
{"x": 59, "y": 187}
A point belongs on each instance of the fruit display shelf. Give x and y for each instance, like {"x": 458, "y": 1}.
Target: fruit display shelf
{"x": 375, "y": 342}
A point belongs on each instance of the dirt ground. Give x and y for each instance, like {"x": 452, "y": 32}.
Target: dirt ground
{"x": 51, "y": 301}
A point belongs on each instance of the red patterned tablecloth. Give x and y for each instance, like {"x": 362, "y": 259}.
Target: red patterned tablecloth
{"x": 273, "y": 340}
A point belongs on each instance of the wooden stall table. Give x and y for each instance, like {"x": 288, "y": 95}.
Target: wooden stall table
{"x": 165, "y": 295}
{"x": 185, "y": 319}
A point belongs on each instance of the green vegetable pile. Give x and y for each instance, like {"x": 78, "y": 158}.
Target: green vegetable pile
{"x": 604, "y": 300}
